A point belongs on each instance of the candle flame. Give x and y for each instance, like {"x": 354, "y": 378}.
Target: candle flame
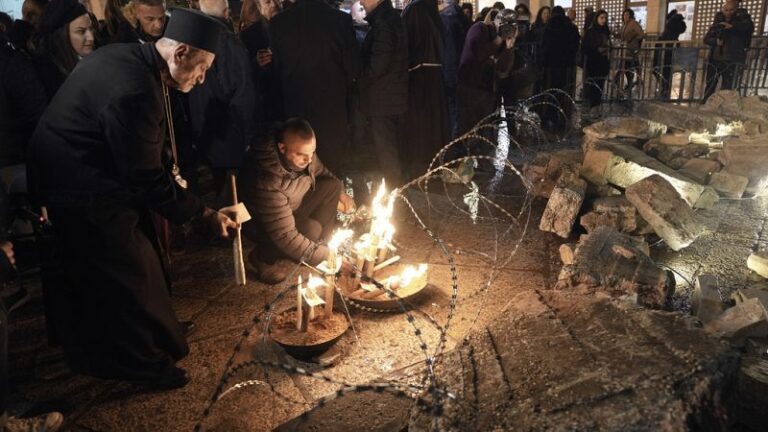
{"x": 410, "y": 273}
{"x": 339, "y": 237}
{"x": 382, "y": 212}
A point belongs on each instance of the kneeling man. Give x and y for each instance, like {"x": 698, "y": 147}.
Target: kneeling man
{"x": 293, "y": 198}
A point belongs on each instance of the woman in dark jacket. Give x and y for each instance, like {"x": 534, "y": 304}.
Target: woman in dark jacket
{"x": 66, "y": 35}
{"x": 537, "y": 29}
{"x": 597, "y": 63}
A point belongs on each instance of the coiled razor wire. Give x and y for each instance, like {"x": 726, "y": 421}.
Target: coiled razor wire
{"x": 429, "y": 394}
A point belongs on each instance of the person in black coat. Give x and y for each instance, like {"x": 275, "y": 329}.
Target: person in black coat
{"x": 22, "y": 101}
{"x": 317, "y": 57}
{"x": 729, "y": 38}
{"x": 383, "y": 84}
{"x": 560, "y": 41}
{"x": 662, "y": 58}
{"x": 597, "y": 63}
{"x": 255, "y": 17}
{"x": 456, "y": 26}
{"x": 427, "y": 128}
{"x": 97, "y": 162}
{"x": 222, "y": 109}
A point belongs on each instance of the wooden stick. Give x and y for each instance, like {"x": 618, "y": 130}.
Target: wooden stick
{"x": 386, "y": 263}
{"x": 237, "y": 244}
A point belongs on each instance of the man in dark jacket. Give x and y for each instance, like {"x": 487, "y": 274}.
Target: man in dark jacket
{"x": 317, "y": 57}
{"x": 456, "y": 26}
{"x": 222, "y": 109}
{"x": 293, "y": 198}
{"x": 383, "y": 84}
{"x": 662, "y": 56}
{"x": 97, "y": 162}
{"x": 22, "y": 101}
{"x": 560, "y": 41}
{"x": 729, "y": 37}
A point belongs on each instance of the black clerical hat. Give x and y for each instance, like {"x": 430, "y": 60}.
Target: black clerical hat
{"x": 194, "y": 28}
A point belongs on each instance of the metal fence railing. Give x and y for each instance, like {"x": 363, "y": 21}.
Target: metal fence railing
{"x": 679, "y": 71}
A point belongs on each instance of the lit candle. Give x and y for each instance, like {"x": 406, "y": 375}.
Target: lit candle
{"x": 299, "y": 305}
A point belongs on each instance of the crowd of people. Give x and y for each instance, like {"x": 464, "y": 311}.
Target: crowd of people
{"x": 105, "y": 125}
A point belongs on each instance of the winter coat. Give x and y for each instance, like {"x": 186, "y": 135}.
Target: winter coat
{"x": 597, "y": 50}
{"x": 22, "y": 102}
{"x": 383, "y": 84}
{"x": 560, "y": 42}
{"x": 222, "y": 109}
{"x": 317, "y": 58}
{"x": 272, "y": 193}
{"x": 735, "y": 40}
{"x": 269, "y": 105}
{"x": 477, "y": 67}
{"x": 632, "y": 35}
{"x": 674, "y": 27}
{"x": 456, "y": 27}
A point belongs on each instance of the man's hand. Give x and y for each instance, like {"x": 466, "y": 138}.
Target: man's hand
{"x": 726, "y": 25}
{"x": 264, "y": 57}
{"x": 7, "y": 248}
{"x": 219, "y": 222}
{"x": 346, "y": 203}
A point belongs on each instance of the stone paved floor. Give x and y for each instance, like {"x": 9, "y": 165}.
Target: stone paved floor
{"x": 384, "y": 346}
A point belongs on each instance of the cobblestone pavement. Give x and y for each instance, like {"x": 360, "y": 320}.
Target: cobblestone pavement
{"x": 382, "y": 345}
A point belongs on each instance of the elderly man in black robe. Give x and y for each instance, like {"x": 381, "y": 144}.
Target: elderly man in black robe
{"x": 427, "y": 128}
{"x": 97, "y": 161}
{"x": 316, "y": 56}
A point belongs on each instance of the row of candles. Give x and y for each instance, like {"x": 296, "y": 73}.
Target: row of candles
{"x": 371, "y": 254}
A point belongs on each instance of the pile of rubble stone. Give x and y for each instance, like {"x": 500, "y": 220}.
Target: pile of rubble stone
{"x": 646, "y": 176}
{"x": 642, "y": 176}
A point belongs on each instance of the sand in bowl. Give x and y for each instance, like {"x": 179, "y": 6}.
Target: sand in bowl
{"x": 321, "y": 329}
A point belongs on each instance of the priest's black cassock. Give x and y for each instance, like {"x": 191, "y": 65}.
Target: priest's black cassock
{"x": 96, "y": 161}
{"x": 427, "y": 128}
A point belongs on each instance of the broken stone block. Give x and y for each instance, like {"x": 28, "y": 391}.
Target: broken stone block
{"x": 706, "y": 302}
{"x": 544, "y": 171}
{"x": 615, "y": 212}
{"x": 751, "y": 391}
{"x": 728, "y": 185}
{"x": 674, "y": 139}
{"x": 677, "y": 162}
{"x": 599, "y": 191}
{"x": 681, "y": 117}
{"x": 748, "y": 319}
{"x": 748, "y": 157}
{"x": 632, "y": 128}
{"x": 623, "y": 165}
{"x": 667, "y": 152}
{"x": 662, "y": 207}
{"x": 758, "y": 263}
{"x": 708, "y": 198}
{"x": 567, "y": 253}
{"x": 731, "y": 104}
{"x": 564, "y": 205}
{"x": 614, "y": 263}
{"x": 744, "y": 294}
{"x": 700, "y": 169}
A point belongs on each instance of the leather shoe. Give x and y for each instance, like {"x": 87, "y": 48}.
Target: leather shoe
{"x": 189, "y": 327}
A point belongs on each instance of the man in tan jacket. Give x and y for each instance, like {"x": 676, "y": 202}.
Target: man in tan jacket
{"x": 631, "y": 35}
{"x": 294, "y": 199}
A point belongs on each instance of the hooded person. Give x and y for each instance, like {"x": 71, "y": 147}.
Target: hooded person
{"x": 560, "y": 42}
{"x": 98, "y": 162}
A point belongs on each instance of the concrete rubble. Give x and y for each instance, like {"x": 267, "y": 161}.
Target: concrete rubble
{"x": 631, "y": 128}
{"x": 610, "y": 262}
{"x": 544, "y": 171}
{"x": 564, "y": 204}
{"x": 748, "y": 157}
{"x": 706, "y": 302}
{"x": 745, "y": 320}
{"x": 700, "y": 170}
{"x": 752, "y": 109}
{"x": 624, "y": 165}
{"x": 663, "y": 208}
{"x": 615, "y": 212}
{"x": 758, "y": 262}
{"x": 729, "y": 185}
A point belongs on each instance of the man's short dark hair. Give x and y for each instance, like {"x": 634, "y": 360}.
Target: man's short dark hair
{"x": 558, "y": 10}
{"x": 295, "y": 127}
